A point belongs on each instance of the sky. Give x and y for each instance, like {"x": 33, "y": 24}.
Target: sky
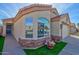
{"x": 9, "y": 10}
{"x": 29, "y": 21}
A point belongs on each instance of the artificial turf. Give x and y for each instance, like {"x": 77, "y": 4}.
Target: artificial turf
{"x": 45, "y": 51}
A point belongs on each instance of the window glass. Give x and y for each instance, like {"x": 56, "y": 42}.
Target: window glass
{"x": 43, "y": 27}
{"x": 40, "y": 29}
{"x": 29, "y": 21}
{"x": 29, "y": 27}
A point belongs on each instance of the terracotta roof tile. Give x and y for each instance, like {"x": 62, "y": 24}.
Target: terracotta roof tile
{"x": 35, "y": 5}
{"x": 8, "y": 20}
{"x": 32, "y": 8}
{"x": 58, "y": 18}
{"x": 27, "y": 11}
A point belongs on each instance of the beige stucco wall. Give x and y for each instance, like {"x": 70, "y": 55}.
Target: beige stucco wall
{"x": 19, "y": 27}
{"x": 63, "y": 19}
{"x": 4, "y": 30}
{"x": 72, "y": 30}
{"x": 55, "y": 28}
{"x": 65, "y": 28}
{"x": 54, "y": 12}
{"x": 65, "y": 31}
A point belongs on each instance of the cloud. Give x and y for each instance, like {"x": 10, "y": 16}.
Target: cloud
{"x": 5, "y": 13}
{"x": 61, "y": 7}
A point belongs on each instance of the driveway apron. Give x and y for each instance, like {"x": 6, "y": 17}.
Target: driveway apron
{"x": 72, "y": 48}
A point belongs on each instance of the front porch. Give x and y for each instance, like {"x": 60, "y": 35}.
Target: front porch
{"x": 7, "y": 26}
{"x": 9, "y": 29}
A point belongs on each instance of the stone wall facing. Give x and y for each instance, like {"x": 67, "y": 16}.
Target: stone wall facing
{"x": 26, "y": 43}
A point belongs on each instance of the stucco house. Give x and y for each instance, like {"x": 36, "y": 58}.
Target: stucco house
{"x": 36, "y": 24}
{"x": 60, "y": 27}
{"x": 73, "y": 28}
{"x": 77, "y": 28}
{"x": 31, "y": 26}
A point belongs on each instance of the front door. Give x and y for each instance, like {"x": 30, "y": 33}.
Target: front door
{"x": 9, "y": 29}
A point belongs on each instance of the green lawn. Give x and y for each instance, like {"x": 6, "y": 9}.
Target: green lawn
{"x": 1, "y": 44}
{"x": 45, "y": 51}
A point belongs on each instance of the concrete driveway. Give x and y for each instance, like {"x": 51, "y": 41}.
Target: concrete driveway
{"x": 11, "y": 47}
{"x": 72, "y": 48}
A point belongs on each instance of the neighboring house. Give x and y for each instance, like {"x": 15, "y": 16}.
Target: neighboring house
{"x": 60, "y": 26}
{"x": 73, "y": 28}
{"x": 36, "y": 24}
{"x": 77, "y": 27}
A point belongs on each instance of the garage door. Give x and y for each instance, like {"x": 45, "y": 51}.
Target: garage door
{"x": 65, "y": 31}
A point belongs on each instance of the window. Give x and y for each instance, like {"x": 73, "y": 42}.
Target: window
{"x": 29, "y": 33}
{"x": 43, "y": 27}
{"x": 40, "y": 29}
{"x": 28, "y": 21}
{"x": 29, "y": 27}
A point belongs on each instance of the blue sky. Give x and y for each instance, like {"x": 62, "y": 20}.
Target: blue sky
{"x": 29, "y": 21}
{"x": 10, "y": 10}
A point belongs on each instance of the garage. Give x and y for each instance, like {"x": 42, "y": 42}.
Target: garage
{"x": 65, "y": 31}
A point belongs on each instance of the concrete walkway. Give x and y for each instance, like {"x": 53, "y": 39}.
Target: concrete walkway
{"x": 72, "y": 48}
{"x": 11, "y": 47}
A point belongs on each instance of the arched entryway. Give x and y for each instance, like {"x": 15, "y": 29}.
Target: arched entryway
{"x": 9, "y": 28}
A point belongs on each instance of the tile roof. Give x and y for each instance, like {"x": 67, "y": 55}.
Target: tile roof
{"x": 8, "y": 20}
{"x": 28, "y": 9}
{"x": 32, "y": 8}
{"x": 58, "y": 18}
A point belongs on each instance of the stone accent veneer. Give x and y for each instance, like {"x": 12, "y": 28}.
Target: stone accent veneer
{"x": 26, "y": 43}
{"x": 55, "y": 38}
